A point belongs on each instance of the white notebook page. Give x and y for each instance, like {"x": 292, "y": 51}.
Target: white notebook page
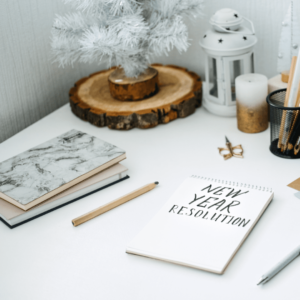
{"x": 203, "y": 224}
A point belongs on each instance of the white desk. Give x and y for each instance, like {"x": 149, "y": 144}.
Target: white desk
{"x": 48, "y": 258}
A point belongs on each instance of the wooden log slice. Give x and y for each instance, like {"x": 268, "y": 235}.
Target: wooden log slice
{"x": 124, "y": 88}
{"x": 180, "y": 93}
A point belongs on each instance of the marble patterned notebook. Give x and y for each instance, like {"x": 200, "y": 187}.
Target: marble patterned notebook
{"x": 13, "y": 216}
{"x": 54, "y": 166}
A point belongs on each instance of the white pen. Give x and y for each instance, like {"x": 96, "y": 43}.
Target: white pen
{"x": 290, "y": 257}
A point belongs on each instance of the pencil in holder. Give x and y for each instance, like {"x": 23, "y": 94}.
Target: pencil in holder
{"x": 284, "y": 126}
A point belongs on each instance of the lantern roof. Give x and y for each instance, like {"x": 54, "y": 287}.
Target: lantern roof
{"x": 227, "y": 37}
{"x": 226, "y": 17}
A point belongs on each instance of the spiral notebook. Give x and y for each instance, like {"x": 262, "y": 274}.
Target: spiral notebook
{"x": 203, "y": 224}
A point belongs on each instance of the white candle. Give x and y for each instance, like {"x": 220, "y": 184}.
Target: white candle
{"x": 251, "y": 89}
{"x": 252, "y": 109}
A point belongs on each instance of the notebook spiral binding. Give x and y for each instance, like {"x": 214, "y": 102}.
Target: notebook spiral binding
{"x": 234, "y": 183}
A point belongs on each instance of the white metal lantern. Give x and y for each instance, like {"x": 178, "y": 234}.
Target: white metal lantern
{"x": 228, "y": 48}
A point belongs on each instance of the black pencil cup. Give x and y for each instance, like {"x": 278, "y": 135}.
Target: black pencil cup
{"x": 277, "y": 111}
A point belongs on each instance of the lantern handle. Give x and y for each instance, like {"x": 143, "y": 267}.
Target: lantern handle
{"x": 236, "y": 32}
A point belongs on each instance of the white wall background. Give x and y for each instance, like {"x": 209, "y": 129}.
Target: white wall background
{"x": 32, "y": 87}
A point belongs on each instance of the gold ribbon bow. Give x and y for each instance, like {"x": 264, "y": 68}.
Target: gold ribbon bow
{"x": 230, "y": 151}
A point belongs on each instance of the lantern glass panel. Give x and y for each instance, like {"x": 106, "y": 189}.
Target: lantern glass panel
{"x": 235, "y": 70}
{"x": 213, "y": 83}
{"x": 252, "y": 63}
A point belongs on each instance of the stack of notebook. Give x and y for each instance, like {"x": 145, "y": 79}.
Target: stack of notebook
{"x": 56, "y": 173}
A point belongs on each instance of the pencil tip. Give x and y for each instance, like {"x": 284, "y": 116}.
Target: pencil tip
{"x": 262, "y": 280}
{"x": 156, "y": 182}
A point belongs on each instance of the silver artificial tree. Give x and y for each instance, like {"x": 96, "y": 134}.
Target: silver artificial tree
{"x": 122, "y": 32}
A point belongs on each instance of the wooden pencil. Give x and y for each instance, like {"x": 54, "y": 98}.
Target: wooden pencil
{"x": 286, "y": 100}
{"x": 102, "y": 209}
{"x": 297, "y": 146}
{"x": 290, "y": 146}
{"x": 295, "y": 132}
